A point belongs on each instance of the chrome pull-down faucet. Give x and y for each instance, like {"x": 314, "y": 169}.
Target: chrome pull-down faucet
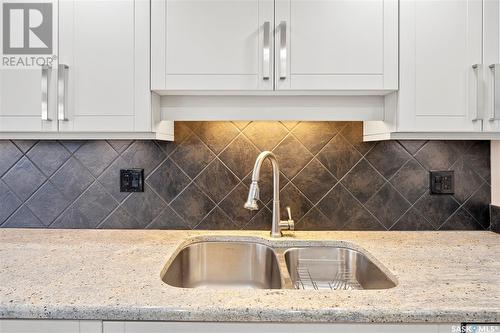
{"x": 253, "y": 194}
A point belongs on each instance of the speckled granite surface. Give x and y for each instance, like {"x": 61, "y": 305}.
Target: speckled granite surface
{"x": 115, "y": 275}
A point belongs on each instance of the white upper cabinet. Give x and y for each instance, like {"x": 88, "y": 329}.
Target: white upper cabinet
{"x": 104, "y": 66}
{"x": 441, "y": 65}
{"x": 27, "y": 94}
{"x": 491, "y": 49}
{"x": 212, "y": 44}
{"x": 445, "y": 83}
{"x": 336, "y": 44}
{"x": 98, "y": 86}
{"x": 256, "y": 45}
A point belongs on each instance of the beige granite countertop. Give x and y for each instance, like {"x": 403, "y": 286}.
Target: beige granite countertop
{"x": 115, "y": 275}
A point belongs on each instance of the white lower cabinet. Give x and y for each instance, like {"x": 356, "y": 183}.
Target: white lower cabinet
{"x": 50, "y": 326}
{"x": 95, "y": 326}
{"x": 195, "y": 327}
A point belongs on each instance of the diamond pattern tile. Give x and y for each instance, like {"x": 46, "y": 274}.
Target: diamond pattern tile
{"x": 217, "y": 219}
{"x": 363, "y": 181}
{"x": 412, "y": 146}
{"x": 168, "y": 219}
{"x": 339, "y": 156}
{"x": 216, "y": 181}
{"x": 168, "y": 180}
{"x": 72, "y": 179}
{"x": 88, "y": 211}
{"x": 24, "y": 178}
{"x": 48, "y": 156}
{"x": 144, "y": 206}
{"x": 121, "y": 219}
{"x": 240, "y": 156}
{"x": 96, "y": 156}
{"x": 110, "y": 179}
{"x": 314, "y": 220}
{"x": 145, "y": 155}
{"x": 314, "y": 181}
{"x": 412, "y": 220}
{"x": 47, "y": 203}
{"x": 192, "y": 205}
{"x": 119, "y": 145}
{"x": 387, "y": 205}
{"x": 362, "y": 220}
{"x": 388, "y": 166}
{"x": 291, "y": 197}
{"x": 23, "y": 218}
{"x": 478, "y": 206}
{"x": 467, "y": 181}
{"x": 10, "y": 154}
{"x": 436, "y": 208}
{"x": 266, "y": 181}
{"x": 232, "y": 205}
{"x": 200, "y": 180}
{"x": 192, "y": 156}
{"x": 412, "y": 180}
{"x": 478, "y": 158}
{"x": 314, "y": 135}
{"x": 437, "y": 155}
{"x": 292, "y": 156}
{"x": 261, "y": 221}
{"x": 339, "y": 205}
{"x": 353, "y": 132}
{"x": 24, "y": 145}
{"x": 72, "y": 145}
{"x": 217, "y": 134}
{"x": 265, "y": 135}
{"x": 461, "y": 220}
{"x": 8, "y": 202}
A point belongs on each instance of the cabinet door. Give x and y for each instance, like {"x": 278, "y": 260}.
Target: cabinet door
{"x": 491, "y": 49}
{"x": 336, "y": 44}
{"x": 212, "y": 45}
{"x": 50, "y": 326}
{"x": 27, "y": 93}
{"x": 104, "y": 45}
{"x": 193, "y": 327}
{"x": 440, "y": 41}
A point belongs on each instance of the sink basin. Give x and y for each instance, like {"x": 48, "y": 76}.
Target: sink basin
{"x": 224, "y": 265}
{"x": 334, "y": 268}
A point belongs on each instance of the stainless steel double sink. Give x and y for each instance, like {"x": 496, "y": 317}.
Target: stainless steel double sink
{"x": 237, "y": 264}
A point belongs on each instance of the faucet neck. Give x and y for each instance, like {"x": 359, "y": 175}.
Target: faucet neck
{"x": 275, "y": 228}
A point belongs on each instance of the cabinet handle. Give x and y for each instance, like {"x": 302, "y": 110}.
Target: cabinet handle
{"x": 477, "y": 90}
{"x": 266, "y": 51}
{"x": 45, "y": 93}
{"x": 283, "y": 50}
{"x": 61, "y": 89}
{"x": 495, "y": 92}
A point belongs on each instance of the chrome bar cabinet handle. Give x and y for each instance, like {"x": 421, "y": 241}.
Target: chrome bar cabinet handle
{"x": 495, "y": 92}
{"x": 283, "y": 60}
{"x": 61, "y": 89}
{"x": 45, "y": 93}
{"x": 477, "y": 90}
{"x": 266, "y": 51}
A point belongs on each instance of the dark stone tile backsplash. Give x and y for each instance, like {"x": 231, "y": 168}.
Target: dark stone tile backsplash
{"x": 495, "y": 218}
{"x": 329, "y": 177}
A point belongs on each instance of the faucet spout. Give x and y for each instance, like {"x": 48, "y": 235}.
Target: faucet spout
{"x": 253, "y": 193}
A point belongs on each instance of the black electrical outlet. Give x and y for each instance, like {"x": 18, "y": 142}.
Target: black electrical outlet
{"x": 132, "y": 180}
{"x": 442, "y": 182}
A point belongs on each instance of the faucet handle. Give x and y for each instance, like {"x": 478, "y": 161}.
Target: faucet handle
{"x": 289, "y": 211}
{"x": 288, "y": 224}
